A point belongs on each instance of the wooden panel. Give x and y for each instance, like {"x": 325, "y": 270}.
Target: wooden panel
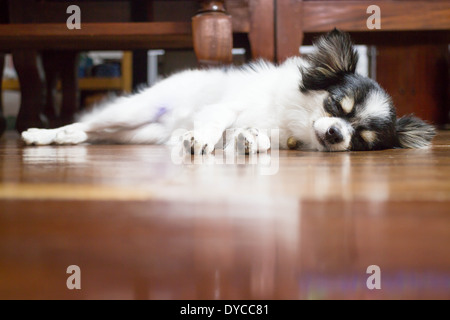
{"x": 289, "y": 28}
{"x": 239, "y": 10}
{"x": 394, "y": 38}
{"x": 395, "y": 15}
{"x": 145, "y": 35}
{"x": 262, "y": 31}
{"x": 296, "y": 17}
{"x": 170, "y": 10}
{"x": 33, "y": 11}
{"x": 416, "y": 77}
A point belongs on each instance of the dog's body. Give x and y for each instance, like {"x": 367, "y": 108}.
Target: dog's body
{"x": 319, "y": 102}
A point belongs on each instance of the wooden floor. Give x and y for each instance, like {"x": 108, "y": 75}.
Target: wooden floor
{"x": 287, "y": 225}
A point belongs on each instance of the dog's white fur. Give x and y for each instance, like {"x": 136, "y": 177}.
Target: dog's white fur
{"x": 260, "y": 96}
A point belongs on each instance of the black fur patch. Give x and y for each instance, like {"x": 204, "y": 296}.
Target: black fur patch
{"x": 413, "y": 132}
{"x": 334, "y": 57}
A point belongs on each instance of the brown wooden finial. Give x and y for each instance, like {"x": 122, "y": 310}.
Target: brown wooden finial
{"x": 212, "y": 6}
{"x": 212, "y": 34}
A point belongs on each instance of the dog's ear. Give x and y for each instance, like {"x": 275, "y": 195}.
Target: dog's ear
{"x": 334, "y": 56}
{"x": 414, "y": 133}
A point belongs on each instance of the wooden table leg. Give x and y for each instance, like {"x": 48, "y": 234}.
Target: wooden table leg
{"x": 212, "y": 34}
{"x": 2, "y": 119}
{"x": 69, "y": 87}
{"x": 28, "y": 65}
{"x": 63, "y": 66}
{"x": 51, "y": 70}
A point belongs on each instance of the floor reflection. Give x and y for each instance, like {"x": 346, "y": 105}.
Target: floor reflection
{"x": 55, "y": 155}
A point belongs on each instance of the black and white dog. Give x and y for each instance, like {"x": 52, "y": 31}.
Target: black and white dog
{"x": 316, "y": 102}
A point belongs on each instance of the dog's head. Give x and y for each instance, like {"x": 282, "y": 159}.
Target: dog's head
{"x": 360, "y": 114}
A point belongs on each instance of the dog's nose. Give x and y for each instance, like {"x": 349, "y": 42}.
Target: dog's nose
{"x": 333, "y": 135}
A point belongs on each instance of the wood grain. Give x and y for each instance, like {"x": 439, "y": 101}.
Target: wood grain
{"x": 262, "y": 30}
{"x": 142, "y": 227}
{"x": 289, "y": 28}
{"x": 320, "y": 16}
{"x": 97, "y": 36}
{"x": 417, "y": 79}
{"x": 213, "y": 34}
{"x": 296, "y": 17}
{"x": 239, "y": 10}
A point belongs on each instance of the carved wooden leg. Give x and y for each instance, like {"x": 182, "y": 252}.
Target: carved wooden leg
{"x": 212, "y": 33}
{"x": 51, "y": 75}
{"x": 29, "y": 68}
{"x": 2, "y": 119}
{"x": 61, "y": 65}
{"x": 69, "y": 86}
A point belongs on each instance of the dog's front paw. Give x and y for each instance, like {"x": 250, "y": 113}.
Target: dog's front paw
{"x": 249, "y": 141}
{"x": 39, "y": 137}
{"x": 246, "y": 141}
{"x": 194, "y": 144}
{"x": 70, "y": 136}
{"x": 67, "y": 135}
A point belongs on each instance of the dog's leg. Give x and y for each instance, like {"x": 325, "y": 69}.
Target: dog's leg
{"x": 122, "y": 114}
{"x": 248, "y": 141}
{"x": 71, "y": 134}
{"x": 209, "y": 125}
{"x": 153, "y": 133}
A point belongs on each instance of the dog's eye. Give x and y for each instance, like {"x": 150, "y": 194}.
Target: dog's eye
{"x": 333, "y": 107}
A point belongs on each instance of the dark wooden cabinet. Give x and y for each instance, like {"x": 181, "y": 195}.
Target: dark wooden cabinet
{"x": 416, "y": 76}
{"x": 412, "y": 56}
{"x": 273, "y": 30}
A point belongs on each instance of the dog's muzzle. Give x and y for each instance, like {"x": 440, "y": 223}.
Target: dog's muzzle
{"x": 333, "y": 134}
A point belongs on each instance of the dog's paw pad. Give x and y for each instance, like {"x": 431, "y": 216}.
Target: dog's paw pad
{"x": 194, "y": 145}
{"x": 246, "y": 142}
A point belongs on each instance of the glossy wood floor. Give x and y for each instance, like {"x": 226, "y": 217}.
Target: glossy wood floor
{"x": 292, "y": 225}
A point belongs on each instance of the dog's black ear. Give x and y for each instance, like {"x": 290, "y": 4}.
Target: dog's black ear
{"x": 414, "y": 133}
{"x": 334, "y": 56}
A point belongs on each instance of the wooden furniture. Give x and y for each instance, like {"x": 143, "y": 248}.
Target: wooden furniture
{"x": 123, "y": 83}
{"x": 2, "y": 119}
{"x": 414, "y": 37}
{"x": 43, "y": 51}
{"x": 3, "y": 19}
{"x": 37, "y": 26}
{"x": 417, "y": 77}
{"x": 275, "y": 30}
{"x": 296, "y": 18}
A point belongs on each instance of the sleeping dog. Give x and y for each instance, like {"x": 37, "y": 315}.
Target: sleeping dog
{"x": 317, "y": 102}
